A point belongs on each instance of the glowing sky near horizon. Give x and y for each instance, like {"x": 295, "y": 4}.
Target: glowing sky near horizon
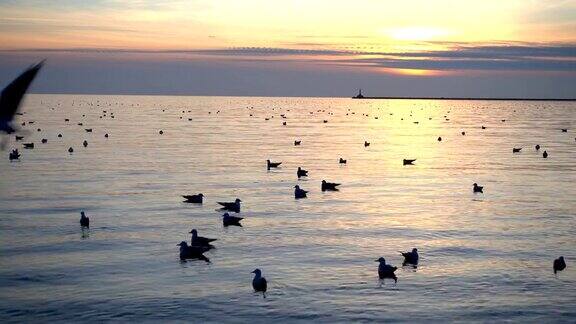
{"x": 414, "y": 38}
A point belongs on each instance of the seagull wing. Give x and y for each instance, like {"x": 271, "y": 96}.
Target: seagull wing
{"x": 13, "y": 93}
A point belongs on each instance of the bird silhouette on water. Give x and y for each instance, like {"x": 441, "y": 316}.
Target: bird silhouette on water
{"x": 296, "y": 143}
{"x": 192, "y": 252}
{"x": 342, "y": 161}
{"x": 70, "y": 150}
{"x": 366, "y": 144}
{"x": 12, "y": 95}
{"x": 270, "y": 164}
{"x": 28, "y": 145}
{"x": 229, "y": 220}
{"x": 200, "y": 240}
{"x": 408, "y": 162}
{"x": 301, "y": 172}
{"x": 259, "y": 283}
{"x": 19, "y": 138}
{"x": 14, "y": 155}
{"x": 85, "y": 143}
{"x": 545, "y": 155}
{"x": 386, "y": 271}
{"x": 410, "y": 257}
{"x": 439, "y": 139}
{"x": 299, "y": 193}
{"x": 84, "y": 220}
{"x": 559, "y": 264}
{"x": 537, "y": 147}
{"x": 231, "y": 206}
{"x": 516, "y": 150}
{"x": 194, "y": 199}
{"x": 476, "y": 188}
{"x": 44, "y": 140}
{"x": 329, "y": 186}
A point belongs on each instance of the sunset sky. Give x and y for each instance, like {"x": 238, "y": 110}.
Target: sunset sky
{"x": 488, "y": 48}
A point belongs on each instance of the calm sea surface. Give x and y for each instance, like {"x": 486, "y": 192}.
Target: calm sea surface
{"x": 484, "y": 257}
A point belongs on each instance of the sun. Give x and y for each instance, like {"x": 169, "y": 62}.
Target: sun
{"x": 417, "y": 33}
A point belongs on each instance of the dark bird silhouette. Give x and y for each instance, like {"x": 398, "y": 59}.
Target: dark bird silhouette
{"x": 106, "y": 135}
{"x": 386, "y": 271}
{"x": 516, "y": 150}
{"x": 299, "y": 193}
{"x": 537, "y": 147}
{"x": 84, "y": 220}
{"x": 259, "y": 283}
{"x": 342, "y": 161}
{"x": 463, "y": 133}
{"x": 88, "y": 130}
{"x": 564, "y": 130}
{"x": 85, "y": 143}
{"x": 28, "y": 145}
{"x": 200, "y": 240}
{"x": 195, "y": 199}
{"x": 477, "y": 188}
{"x": 161, "y": 132}
{"x": 272, "y": 164}
{"x": 60, "y": 135}
{"x": 301, "y": 172}
{"x": 296, "y": 143}
{"x": 229, "y": 220}
{"x": 12, "y": 95}
{"x": 231, "y": 206}
{"x": 70, "y": 150}
{"x": 439, "y": 139}
{"x": 366, "y": 144}
{"x": 192, "y": 252}
{"x": 14, "y": 155}
{"x": 545, "y": 154}
{"x": 559, "y": 264}
{"x": 483, "y": 127}
{"x": 411, "y": 257}
{"x": 329, "y": 186}
{"x": 408, "y": 162}
{"x": 44, "y": 140}
{"x": 19, "y": 138}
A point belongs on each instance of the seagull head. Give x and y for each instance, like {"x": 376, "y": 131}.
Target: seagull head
{"x": 414, "y": 250}
{"x": 194, "y": 232}
{"x": 381, "y": 260}
{"x": 237, "y": 201}
{"x": 226, "y": 215}
{"x": 323, "y": 181}
{"x": 257, "y": 272}
{"x": 201, "y": 195}
{"x": 182, "y": 244}
{"x": 475, "y": 184}
{"x": 297, "y": 186}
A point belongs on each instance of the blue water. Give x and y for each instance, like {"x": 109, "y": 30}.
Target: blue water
{"x": 484, "y": 257}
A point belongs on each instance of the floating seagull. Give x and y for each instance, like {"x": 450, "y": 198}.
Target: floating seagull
{"x": 301, "y": 172}
{"x": 161, "y": 132}
{"x": 28, "y": 145}
{"x": 12, "y": 95}
{"x": 342, "y": 161}
{"x": 564, "y": 130}
{"x": 329, "y": 186}
{"x": 19, "y": 138}
{"x": 559, "y": 264}
{"x": 259, "y": 283}
{"x": 537, "y": 147}
{"x": 192, "y": 252}
{"x": 463, "y": 133}
{"x": 84, "y": 220}
{"x": 366, "y": 144}
{"x": 386, "y": 271}
{"x": 229, "y": 220}
{"x": 296, "y": 143}
{"x": 88, "y": 130}
{"x": 106, "y": 135}
{"x": 200, "y": 240}
{"x": 44, "y": 141}
{"x": 483, "y": 127}
{"x": 14, "y": 155}
{"x": 439, "y": 139}
{"x": 545, "y": 154}
{"x": 195, "y": 199}
{"x": 408, "y": 162}
{"x": 410, "y": 257}
{"x": 231, "y": 206}
{"x": 477, "y": 188}
{"x": 85, "y": 143}
{"x": 70, "y": 149}
{"x": 516, "y": 150}
{"x": 299, "y": 193}
{"x": 59, "y": 135}
{"x": 272, "y": 164}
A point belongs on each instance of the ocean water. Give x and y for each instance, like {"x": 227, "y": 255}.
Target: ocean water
{"x": 484, "y": 257}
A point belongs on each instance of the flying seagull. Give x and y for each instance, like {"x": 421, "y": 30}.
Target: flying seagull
{"x": 12, "y": 96}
